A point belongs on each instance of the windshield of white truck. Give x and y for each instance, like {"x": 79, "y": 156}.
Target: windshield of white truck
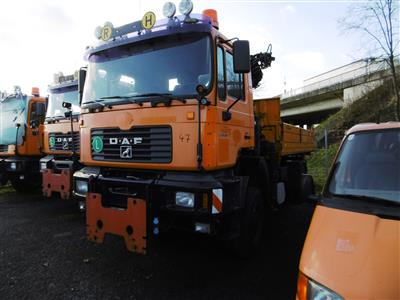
{"x": 60, "y": 95}
{"x": 171, "y": 66}
{"x": 13, "y": 110}
{"x": 368, "y": 167}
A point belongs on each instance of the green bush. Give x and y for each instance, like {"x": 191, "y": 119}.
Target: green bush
{"x": 319, "y": 163}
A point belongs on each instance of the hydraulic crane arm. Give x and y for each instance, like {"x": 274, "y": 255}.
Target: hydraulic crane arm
{"x": 260, "y": 62}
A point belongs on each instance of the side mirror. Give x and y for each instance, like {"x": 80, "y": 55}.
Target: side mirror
{"x": 241, "y": 56}
{"x": 67, "y": 105}
{"x": 81, "y": 82}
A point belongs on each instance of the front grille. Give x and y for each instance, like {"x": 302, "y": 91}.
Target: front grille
{"x": 63, "y": 141}
{"x": 3, "y": 148}
{"x": 151, "y": 144}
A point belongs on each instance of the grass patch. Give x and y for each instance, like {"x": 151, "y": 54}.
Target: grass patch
{"x": 6, "y": 189}
{"x": 319, "y": 163}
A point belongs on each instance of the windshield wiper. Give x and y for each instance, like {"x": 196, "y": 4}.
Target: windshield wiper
{"x": 92, "y": 104}
{"x": 165, "y": 98}
{"x": 371, "y": 199}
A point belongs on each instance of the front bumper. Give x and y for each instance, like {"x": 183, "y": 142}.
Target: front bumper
{"x": 57, "y": 176}
{"x": 23, "y": 168}
{"x": 145, "y": 203}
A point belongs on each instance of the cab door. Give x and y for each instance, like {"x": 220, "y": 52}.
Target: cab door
{"x": 34, "y": 133}
{"x": 236, "y": 131}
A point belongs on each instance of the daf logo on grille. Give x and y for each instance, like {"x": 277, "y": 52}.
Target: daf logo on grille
{"x": 65, "y": 145}
{"x": 126, "y": 141}
{"x": 126, "y": 152}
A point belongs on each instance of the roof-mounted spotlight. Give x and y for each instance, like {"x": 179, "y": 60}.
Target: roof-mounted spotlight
{"x": 169, "y": 9}
{"x": 97, "y": 32}
{"x": 186, "y": 7}
{"x": 104, "y": 33}
{"x": 108, "y": 24}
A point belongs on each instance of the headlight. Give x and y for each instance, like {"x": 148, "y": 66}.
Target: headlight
{"x": 81, "y": 187}
{"x": 13, "y": 166}
{"x": 308, "y": 289}
{"x": 184, "y": 199}
{"x": 43, "y": 166}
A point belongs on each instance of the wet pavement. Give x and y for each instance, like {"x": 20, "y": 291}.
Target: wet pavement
{"x": 44, "y": 254}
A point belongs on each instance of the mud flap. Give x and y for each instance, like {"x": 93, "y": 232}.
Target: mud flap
{"x": 53, "y": 182}
{"x": 130, "y": 223}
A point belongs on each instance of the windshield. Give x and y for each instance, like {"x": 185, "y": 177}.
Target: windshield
{"x": 173, "y": 65}
{"x": 369, "y": 165}
{"x": 13, "y": 110}
{"x": 60, "y": 95}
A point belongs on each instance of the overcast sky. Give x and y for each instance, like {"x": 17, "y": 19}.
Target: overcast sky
{"x": 42, "y": 37}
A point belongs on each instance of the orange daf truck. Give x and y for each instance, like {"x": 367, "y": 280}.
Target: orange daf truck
{"x": 61, "y": 137}
{"x": 21, "y": 139}
{"x": 171, "y": 136}
{"x": 352, "y": 249}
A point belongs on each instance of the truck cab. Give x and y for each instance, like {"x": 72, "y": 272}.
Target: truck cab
{"x": 21, "y": 139}
{"x": 61, "y": 137}
{"x": 168, "y": 136}
{"x": 352, "y": 249}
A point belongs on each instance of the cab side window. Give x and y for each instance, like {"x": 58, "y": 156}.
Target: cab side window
{"x": 221, "y": 74}
{"x": 234, "y": 81}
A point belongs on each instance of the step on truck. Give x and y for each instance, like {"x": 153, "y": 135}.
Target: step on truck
{"x": 61, "y": 137}
{"x": 21, "y": 139}
{"x": 171, "y": 136}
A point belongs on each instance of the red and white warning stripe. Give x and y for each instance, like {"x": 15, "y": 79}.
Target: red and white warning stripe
{"x": 217, "y": 201}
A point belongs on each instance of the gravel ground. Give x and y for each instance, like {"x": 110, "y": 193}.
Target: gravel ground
{"x": 44, "y": 255}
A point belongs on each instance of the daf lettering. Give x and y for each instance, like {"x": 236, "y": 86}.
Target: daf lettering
{"x": 126, "y": 141}
{"x": 137, "y": 140}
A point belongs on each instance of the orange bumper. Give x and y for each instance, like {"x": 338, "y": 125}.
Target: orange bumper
{"x": 60, "y": 183}
{"x": 131, "y": 223}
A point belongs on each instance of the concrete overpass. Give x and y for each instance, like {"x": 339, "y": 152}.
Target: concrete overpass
{"x": 327, "y": 93}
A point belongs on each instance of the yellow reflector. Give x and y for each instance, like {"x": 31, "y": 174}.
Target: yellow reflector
{"x": 190, "y": 115}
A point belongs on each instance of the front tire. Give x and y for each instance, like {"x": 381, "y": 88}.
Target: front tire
{"x": 251, "y": 225}
{"x": 25, "y": 186}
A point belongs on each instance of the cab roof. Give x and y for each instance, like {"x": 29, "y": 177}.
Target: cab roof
{"x": 373, "y": 126}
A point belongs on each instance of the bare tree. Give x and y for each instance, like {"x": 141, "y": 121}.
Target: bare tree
{"x": 378, "y": 20}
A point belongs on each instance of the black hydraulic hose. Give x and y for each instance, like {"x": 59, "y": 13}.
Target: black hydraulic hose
{"x": 72, "y": 136}
{"x": 16, "y": 140}
{"x": 199, "y": 144}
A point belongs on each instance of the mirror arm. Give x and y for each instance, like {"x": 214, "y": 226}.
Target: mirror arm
{"x": 222, "y": 41}
{"x": 226, "y": 115}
